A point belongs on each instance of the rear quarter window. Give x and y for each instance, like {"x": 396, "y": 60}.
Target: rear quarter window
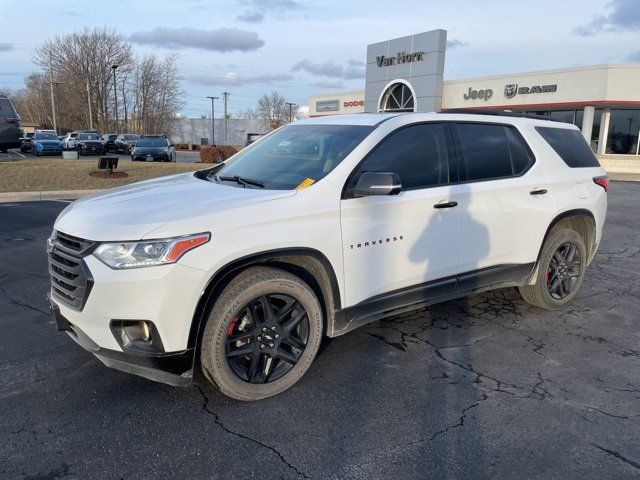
{"x": 6, "y": 106}
{"x": 570, "y": 146}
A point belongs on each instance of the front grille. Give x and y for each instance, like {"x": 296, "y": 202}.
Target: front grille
{"x": 71, "y": 280}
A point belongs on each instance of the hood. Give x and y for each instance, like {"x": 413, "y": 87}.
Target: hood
{"x": 133, "y": 211}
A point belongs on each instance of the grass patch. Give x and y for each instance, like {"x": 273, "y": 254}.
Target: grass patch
{"x": 41, "y": 175}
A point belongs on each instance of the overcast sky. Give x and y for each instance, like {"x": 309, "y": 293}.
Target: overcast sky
{"x": 303, "y": 47}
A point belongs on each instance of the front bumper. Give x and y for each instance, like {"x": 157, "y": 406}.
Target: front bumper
{"x": 48, "y": 150}
{"x": 163, "y": 157}
{"x": 166, "y": 295}
{"x": 91, "y": 148}
{"x": 174, "y": 368}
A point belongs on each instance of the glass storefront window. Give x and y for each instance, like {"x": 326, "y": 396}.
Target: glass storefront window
{"x": 624, "y": 127}
{"x": 578, "y": 119}
{"x": 595, "y": 132}
{"x": 566, "y": 116}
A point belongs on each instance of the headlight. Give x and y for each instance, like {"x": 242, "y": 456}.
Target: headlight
{"x": 147, "y": 253}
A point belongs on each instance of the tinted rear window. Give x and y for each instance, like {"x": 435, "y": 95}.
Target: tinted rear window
{"x": 570, "y": 145}
{"x": 491, "y": 151}
{"x": 6, "y": 106}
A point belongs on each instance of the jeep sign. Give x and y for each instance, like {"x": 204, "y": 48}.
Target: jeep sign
{"x": 482, "y": 94}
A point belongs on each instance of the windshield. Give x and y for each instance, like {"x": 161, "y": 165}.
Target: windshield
{"x": 295, "y": 154}
{"x": 131, "y": 137}
{"x": 88, "y": 136}
{"x": 45, "y": 136}
{"x": 152, "y": 142}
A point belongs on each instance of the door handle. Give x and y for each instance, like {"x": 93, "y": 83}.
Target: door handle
{"x": 540, "y": 191}
{"x": 446, "y": 205}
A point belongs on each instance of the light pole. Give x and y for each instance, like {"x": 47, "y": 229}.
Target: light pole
{"x": 290, "y": 107}
{"x": 226, "y": 117}
{"x": 115, "y": 96}
{"x": 213, "y": 119}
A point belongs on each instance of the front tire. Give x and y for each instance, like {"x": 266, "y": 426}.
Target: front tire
{"x": 560, "y": 272}
{"x": 262, "y": 334}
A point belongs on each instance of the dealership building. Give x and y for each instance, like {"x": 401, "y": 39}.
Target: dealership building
{"x": 407, "y": 75}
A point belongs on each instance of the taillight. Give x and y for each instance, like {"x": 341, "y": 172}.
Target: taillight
{"x": 15, "y": 120}
{"x": 603, "y": 181}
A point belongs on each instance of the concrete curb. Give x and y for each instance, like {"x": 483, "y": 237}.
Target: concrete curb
{"x": 73, "y": 194}
{"x": 53, "y": 195}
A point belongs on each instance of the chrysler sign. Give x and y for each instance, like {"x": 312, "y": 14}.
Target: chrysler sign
{"x": 328, "y": 105}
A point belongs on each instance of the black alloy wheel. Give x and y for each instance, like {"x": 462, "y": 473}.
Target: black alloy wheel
{"x": 266, "y": 338}
{"x": 563, "y": 270}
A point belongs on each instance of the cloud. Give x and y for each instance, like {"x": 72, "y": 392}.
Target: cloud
{"x": 6, "y": 47}
{"x": 273, "y": 5}
{"x": 623, "y": 15}
{"x": 219, "y": 40}
{"x": 257, "y": 9}
{"x": 256, "y": 17}
{"x": 633, "y": 57}
{"x": 70, "y": 13}
{"x": 233, "y": 79}
{"x": 453, "y": 43}
{"x": 328, "y": 84}
{"x": 351, "y": 70}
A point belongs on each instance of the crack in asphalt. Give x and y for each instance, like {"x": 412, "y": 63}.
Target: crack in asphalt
{"x": 619, "y": 456}
{"x": 463, "y": 416}
{"x": 13, "y": 301}
{"x": 216, "y": 417}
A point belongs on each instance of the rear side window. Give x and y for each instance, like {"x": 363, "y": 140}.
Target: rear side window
{"x": 491, "y": 151}
{"x": 570, "y": 145}
{"x": 417, "y": 153}
{"x": 6, "y": 106}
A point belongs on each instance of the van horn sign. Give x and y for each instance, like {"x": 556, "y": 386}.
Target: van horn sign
{"x": 400, "y": 58}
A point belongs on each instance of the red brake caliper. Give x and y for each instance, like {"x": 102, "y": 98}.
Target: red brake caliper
{"x": 232, "y": 326}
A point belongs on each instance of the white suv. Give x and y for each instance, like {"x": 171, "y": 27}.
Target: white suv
{"x": 240, "y": 270}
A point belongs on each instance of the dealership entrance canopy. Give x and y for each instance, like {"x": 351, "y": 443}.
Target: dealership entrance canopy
{"x": 406, "y": 75}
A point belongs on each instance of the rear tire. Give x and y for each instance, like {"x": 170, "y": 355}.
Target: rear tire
{"x": 560, "y": 271}
{"x": 281, "y": 339}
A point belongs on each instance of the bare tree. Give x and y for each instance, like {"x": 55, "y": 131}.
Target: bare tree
{"x": 149, "y": 94}
{"x": 273, "y": 110}
{"x": 156, "y": 94}
{"x": 248, "y": 114}
{"x": 82, "y": 61}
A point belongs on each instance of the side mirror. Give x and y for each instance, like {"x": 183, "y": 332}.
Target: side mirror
{"x": 377, "y": 183}
{"x": 172, "y": 145}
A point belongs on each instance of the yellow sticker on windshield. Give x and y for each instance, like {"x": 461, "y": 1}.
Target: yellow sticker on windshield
{"x": 305, "y": 183}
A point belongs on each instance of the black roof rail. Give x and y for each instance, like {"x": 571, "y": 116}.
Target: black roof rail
{"x": 499, "y": 113}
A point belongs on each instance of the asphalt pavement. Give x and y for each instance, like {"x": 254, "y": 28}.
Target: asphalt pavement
{"x": 482, "y": 387}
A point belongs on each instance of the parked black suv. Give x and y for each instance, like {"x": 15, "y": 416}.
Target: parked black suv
{"x": 10, "y": 131}
{"x": 109, "y": 142}
{"x": 87, "y": 143}
{"x": 125, "y": 142}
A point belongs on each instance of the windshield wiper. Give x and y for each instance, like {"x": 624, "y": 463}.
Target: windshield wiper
{"x": 241, "y": 180}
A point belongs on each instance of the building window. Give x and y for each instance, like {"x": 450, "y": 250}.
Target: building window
{"x": 397, "y": 98}
{"x": 624, "y": 126}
